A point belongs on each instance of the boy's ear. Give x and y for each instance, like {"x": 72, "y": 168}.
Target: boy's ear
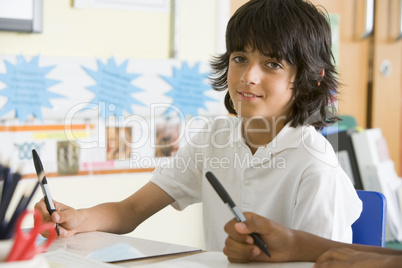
{"x": 322, "y": 73}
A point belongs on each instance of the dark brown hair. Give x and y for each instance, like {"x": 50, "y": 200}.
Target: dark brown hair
{"x": 291, "y": 30}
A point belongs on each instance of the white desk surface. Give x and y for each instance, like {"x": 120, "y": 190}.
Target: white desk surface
{"x": 161, "y": 254}
{"x": 207, "y": 260}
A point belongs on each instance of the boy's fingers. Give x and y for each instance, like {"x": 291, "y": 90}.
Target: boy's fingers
{"x": 63, "y": 216}
{"x": 65, "y": 232}
{"x": 56, "y": 217}
{"x": 232, "y": 230}
{"x": 263, "y": 226}
{"x": 242, "y": 228}
{"x": 41, "y": 207}
{"x": 254, "y": 224}
{"x": 239, "y": 252}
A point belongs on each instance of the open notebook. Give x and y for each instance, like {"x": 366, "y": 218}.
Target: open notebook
{"x": 108, "y": 247}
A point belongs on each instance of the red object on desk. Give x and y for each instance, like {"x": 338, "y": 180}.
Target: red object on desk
{"x": 25, "y": 247}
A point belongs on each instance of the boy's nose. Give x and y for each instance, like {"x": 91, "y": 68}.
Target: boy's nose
{"x": 251, "y": 75}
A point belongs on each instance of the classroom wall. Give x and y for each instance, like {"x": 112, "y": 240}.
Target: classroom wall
{"x": 91, "y": 32}
{"x": 100, "y": 33}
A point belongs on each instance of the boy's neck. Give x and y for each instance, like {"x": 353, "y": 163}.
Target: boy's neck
{"x": 260, "y": 132}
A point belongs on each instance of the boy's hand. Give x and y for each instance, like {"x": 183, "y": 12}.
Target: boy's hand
{"x": 65, "y": 216}
{"x": 240, "y": 247}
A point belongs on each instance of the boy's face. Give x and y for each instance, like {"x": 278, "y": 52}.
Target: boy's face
{"x": 260, "y": 85}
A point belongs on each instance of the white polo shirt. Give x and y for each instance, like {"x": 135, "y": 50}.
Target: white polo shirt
{"x": 295, "y": 180}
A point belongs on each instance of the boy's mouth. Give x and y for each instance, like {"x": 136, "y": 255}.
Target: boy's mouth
{"x": 248, "y": 95}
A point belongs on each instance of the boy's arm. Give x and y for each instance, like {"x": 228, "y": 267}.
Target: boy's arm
{"x": 115, "y": 217}
{"x": 283, "y": 243}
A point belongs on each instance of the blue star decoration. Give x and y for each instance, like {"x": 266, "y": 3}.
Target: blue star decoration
{"x": 113, "y": 88}
{"x": 27, "y": 88}
{"x": 188, "y": 92}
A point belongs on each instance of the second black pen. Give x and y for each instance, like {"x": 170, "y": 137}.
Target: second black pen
{"x": 235, "y": 210}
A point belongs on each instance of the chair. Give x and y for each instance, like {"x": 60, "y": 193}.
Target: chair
{"x": 369, "y": 228}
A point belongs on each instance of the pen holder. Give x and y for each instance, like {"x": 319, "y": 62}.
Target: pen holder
{"x": 38, "y": 261}
{"x": 5, "y": 247}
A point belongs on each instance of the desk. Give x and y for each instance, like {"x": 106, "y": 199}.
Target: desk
{"x": 207, "y": 260}
{"x": 152, "y": 254}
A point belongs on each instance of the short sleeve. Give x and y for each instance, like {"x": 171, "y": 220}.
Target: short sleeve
{"x": 180, "y": 178}
{"x": 326, "y": 205}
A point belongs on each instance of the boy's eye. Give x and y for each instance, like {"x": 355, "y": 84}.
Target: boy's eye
{"x": 274, "y": 65}
{"x": 239, "y": 59}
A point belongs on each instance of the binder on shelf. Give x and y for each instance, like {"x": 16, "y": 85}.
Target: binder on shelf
{"x": 342, "y": 144}
{"x": 377, "y": 173}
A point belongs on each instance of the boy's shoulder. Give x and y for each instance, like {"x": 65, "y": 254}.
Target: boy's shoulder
{"x": 318, "y": 147}
{"x": 306, "y": 140}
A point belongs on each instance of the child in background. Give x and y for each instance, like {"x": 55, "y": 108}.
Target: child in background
{"x": 280, "y": 81}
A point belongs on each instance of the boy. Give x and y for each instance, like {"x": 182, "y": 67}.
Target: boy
{"x": 270, "y": 158}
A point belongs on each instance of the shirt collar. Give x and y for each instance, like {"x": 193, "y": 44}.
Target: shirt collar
{"x": 236, "y": 136}
{"x": 289, "y": 137}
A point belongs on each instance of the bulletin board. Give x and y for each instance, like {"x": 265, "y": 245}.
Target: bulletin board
{"x": 100, "y": 115}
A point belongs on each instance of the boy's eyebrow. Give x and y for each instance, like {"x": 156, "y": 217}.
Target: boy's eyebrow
{"x": 266, "y": 54}
{"x": 269, "y": 55}
{"x": 242, "y": 50}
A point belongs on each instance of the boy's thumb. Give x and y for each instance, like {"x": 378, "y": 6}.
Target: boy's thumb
{"x": 254, "y": 224}
{"x": 242, "y": 228}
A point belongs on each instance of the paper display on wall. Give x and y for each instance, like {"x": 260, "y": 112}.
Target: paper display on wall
{"x": 84, "y": 114}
